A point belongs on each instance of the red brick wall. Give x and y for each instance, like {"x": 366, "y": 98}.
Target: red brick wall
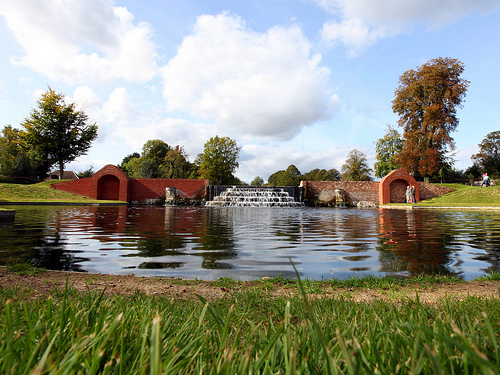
{"x": 111, "y": 183}
{"x": 151, "y": 188}
{"x": 355, "y": 191}
{"x": 80, "y": 187}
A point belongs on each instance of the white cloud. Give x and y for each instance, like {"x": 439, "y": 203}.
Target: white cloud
{"x": 361, "y": 23}
{"x": 80, "y": 41}
{"x": 262, "y": 84}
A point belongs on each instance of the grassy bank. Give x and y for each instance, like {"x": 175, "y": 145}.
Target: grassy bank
{"x": 40, "y": 192}
{"x": 463, "y": 196}
{"x": 248, "y": 331}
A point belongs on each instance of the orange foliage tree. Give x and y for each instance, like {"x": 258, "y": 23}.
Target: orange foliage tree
{"x": 426, "y": 101}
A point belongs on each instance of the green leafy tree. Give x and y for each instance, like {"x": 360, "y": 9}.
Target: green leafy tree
{"x": 426, "y": 101}
{"x": 13, "y": 153}
{"x": 57, "y": 133}
{"x": 289, "y": 177}
{"x": 87, "y": 173}
{"x": 321, "y": 175}
{"x": 219, "y": 160}
{"x": 356, "y": 167}
{"x": 488, "y": 157}
{"x": 155, "y": 150}
{"x": 175, "y": 164}
{"x": 124, "y": 166}
{"x": 257, "y": 181}
{"x": 387, "y": 148}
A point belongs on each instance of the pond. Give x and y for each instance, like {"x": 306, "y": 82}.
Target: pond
{"x": 248, "y": 243}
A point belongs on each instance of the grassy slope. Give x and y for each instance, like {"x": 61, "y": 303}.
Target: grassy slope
{"x": 40, "y": 192}
{"x": 465, "y": 196}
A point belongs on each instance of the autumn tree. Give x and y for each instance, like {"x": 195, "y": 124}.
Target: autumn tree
{"x": 219, "y": 160}
{"x": 387, "y": 148}
{"x": 356, "y": 167}
{"x": 426, "y": 101}
{"x": 488, "y": 157}
{"x": 57, "y": 133}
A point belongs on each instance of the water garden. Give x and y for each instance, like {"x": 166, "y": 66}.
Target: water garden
{"x": 286, "y": 301}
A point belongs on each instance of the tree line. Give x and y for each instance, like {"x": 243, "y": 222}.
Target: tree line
{"x": 426, "y": 101}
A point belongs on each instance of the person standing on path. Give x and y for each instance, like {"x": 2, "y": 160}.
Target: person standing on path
{"x": 408, "y": 194}
{"x": 413, "y": 190}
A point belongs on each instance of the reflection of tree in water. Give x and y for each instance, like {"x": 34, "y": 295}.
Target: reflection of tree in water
{"x": 415, "y": 242}
{"x": 216, "y": 240}
{"x": 154, "y": 233}
{"x": 36, "y": 238}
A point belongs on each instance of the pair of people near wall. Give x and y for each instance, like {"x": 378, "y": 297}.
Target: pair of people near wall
{"x": 410, "y": 194}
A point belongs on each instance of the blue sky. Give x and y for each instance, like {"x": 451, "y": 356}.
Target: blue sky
{"x": 292, "y": 81}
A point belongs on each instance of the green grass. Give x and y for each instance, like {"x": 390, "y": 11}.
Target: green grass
{"x": 40, "y": 192}
{"x": 246, "y": 332}
{"x": 464, "y": 196}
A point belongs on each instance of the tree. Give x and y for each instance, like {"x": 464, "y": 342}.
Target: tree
{"x": 387, "y": 148}
{"x": 87, "y": 173}
{"x": 426, "y": 101}
{"x": 355, "y": 167}
{"x": 57, "y": 133}
{"x": 488, "y": 157}
{"x": 290, "y": 177}
{"x": 219, "y": 160}
{"x": 12, "y": 147}
{"x": 156, "y": 150}
{"x": 175, "y": 164}
{"x": 257, "y": 181}
{"x": 124, "y": 166}
{"x": 321, "y": 175}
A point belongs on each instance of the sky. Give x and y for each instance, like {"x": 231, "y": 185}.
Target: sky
{"x": 298, "y": 82}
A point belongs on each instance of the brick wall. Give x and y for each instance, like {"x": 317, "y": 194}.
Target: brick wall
{"x": 80, "y": 187}
{"x": 151, "y": 188}
{"x": 111, "y": 183}
{"x": 355, "y": 191}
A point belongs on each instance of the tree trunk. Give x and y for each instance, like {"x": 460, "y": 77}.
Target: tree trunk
{"x": 61, "y": 170}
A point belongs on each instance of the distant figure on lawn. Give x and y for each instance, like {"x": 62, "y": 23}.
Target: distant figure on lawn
{"x": 486, "y": 180}
{"x": 408, "y": 194}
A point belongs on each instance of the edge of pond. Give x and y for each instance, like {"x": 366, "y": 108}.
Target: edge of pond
{"x": 439, "y": 207}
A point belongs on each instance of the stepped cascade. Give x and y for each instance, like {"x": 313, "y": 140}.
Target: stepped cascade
{"x": 254, "y": 197}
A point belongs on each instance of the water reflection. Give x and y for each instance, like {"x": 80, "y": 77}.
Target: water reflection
{"x": 247, "y": 243}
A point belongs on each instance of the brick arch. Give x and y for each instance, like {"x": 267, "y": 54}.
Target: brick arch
{"x": 111, "y": 183}
{"x": 392, "y": 181}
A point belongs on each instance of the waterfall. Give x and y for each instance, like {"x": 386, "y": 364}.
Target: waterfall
{"x": 254, "y": 197}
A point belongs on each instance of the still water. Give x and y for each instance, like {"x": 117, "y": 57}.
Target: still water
{"x": 247, "y": 243}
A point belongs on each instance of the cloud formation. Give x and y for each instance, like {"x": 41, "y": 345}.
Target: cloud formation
{"x": 260, "y": 84}
{"x": 80, "y": 41}
{"x": 359, "y": 24}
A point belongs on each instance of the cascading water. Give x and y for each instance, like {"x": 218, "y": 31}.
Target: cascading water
{"x": 254, "y": 197}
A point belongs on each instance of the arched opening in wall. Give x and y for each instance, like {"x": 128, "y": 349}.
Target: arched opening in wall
{"x": 398, "y": 191}
{"x": 108, "y": 188}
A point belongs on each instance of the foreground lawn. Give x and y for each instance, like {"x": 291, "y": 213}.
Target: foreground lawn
{"x": 247, "y": 331}
{"x": 40, "y": 192}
